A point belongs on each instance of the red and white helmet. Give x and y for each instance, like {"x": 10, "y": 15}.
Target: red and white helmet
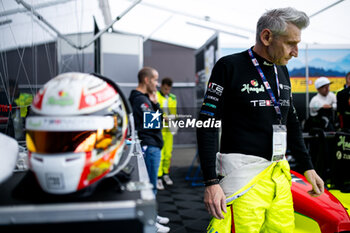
{"x": 76, "y": 132}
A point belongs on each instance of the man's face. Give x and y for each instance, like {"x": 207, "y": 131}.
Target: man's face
{"x": 324, "y": 90}
{"x": 152, "y": 83}
{"x": 165, "y": 89}
{"x": 284, "y": 47}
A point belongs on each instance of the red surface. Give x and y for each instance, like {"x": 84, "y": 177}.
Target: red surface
{"x": 326, "y": 209}
{"x": 38, "y": 99}
{"x": 96, "y": 98}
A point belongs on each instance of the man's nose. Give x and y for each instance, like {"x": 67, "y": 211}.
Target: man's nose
{"x": 295, "y": 51}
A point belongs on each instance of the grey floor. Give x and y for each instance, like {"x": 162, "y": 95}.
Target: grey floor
{"x": 183, "y": 201}
{"x": 183, "y": 156}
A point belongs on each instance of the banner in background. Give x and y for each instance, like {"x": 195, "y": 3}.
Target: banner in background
{"x": 332, "y": 63}
{"x": 322, "y": 60}
{"x": 299, "y": 84}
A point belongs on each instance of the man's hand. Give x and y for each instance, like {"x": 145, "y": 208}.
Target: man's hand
{"x": 153, "y": 97}
{"x": 215, "y": 201}
{"x": 315, "y": 181}
{"x": 166, "y": 118}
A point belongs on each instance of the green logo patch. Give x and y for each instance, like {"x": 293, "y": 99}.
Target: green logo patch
{"x": 63, "y": 100}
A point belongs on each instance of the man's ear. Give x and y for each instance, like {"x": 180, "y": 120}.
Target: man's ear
{"x": 146, "y": 80}
{"x": 266, "y": 37}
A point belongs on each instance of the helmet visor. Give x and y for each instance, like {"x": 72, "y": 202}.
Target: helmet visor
{"x": 67, "y": 134}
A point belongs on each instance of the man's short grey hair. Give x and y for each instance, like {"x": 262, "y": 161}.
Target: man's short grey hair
{"x": 277, "y": 19}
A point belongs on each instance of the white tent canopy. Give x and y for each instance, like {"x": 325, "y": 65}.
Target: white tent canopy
{"x": 187, "y": 23}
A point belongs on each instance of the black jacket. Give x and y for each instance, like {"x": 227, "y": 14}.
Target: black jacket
{"x": 343, "y": 107}
{"x": 237, "y": 96}
{"x": 141, "y": 103}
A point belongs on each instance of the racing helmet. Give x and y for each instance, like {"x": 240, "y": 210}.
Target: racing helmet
{"x": 76, "y": 132}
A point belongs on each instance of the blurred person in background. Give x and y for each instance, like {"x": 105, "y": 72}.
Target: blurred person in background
{"x": 144, "y": 99}
{"x": 168, "y": 104}
{"x": 323, "y": 106}
{"x": 343, "y": 104}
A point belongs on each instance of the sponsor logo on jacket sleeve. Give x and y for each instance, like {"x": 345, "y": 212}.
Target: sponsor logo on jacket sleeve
{"x": 145, "y": 107}
{"x": 215, "y": 88}
{"x": 210, "y": 97}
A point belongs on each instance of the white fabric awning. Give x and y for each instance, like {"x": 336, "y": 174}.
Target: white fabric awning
{"x": 187, "y": 23}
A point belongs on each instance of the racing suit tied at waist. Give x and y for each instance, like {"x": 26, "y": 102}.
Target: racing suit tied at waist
{"x": 240, "y": 173}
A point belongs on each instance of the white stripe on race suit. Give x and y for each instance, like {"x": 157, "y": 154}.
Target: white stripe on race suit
{"x": 237, "y": 170}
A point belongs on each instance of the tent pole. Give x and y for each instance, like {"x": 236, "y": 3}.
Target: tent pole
{"x": 71, "y": 43}
{"x": 326, "y": 8}
{"x": 307, "y": 81}
{"x": 111, "y": 24}
{"x": 42, "y": 19}
{"x": 38, "y": 6}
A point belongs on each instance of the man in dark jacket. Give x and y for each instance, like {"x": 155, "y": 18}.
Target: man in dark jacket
{"x": 343, "y": 100}
{"x": 250, "y": 93}
{"x": 147, "y": 115}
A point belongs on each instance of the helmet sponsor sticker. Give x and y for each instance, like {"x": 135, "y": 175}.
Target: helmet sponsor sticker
{"x": 96, "y": 98}
{"x": 60, "y": 124}
{"x": 90, "y": 100}
{"x": 54, "y": 180}
{"x": 63, "y": 99}
{"x": 38, "y": 99}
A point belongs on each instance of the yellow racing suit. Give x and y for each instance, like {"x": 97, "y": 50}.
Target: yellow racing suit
{"x": 23, "y": 102}
{"x": 168, "y": 104}
{"x": 253, "y": 207}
